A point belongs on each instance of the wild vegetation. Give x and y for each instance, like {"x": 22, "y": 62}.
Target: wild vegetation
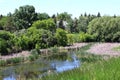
{"x": 28, "y": 30}
{"x": 91, "y": 71}
{"x": 25, "y": 30}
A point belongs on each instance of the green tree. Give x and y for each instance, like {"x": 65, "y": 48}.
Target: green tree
{"x": 9, "y": 26}
{"x": 64, "y": 16}
{"x": 82, "y": 23}
{"x": 3, "y": 21}
{"x": 105, "y": 28}
{"x": 43, "y": 16}
{"x": 98, "y": 15}
{"x": 24, "y": 17}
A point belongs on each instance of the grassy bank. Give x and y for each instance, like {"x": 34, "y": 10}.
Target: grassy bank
{"x": 92, "y": 68}
{"x": 102, "y": 70}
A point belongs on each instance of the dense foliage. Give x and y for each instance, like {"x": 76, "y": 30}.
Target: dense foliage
{"x": 45, "y": 24}
{"x": 105, "y": 29}
{"x": 61, "y": 37}
{"x": 25, "y": 29}
{"x": 24, "y": 17}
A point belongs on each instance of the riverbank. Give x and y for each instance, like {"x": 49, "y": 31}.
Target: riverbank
{"x": 105, "y": 49}
{"x": 25, "y": 54}
{"x": 97, "y": 48}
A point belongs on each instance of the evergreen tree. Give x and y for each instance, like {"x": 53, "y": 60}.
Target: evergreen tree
{"x": 98, "y": 15}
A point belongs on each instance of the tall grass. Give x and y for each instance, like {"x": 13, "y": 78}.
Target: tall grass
{"x": 93, "y": 68}
{"x": 101, "y": 70}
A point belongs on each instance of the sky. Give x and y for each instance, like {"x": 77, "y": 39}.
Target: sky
{"x": 74, "y": 7}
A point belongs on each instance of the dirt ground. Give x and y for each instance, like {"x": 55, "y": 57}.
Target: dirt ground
{"x": 104, "y": 49}
{"x": 20, "y": 54}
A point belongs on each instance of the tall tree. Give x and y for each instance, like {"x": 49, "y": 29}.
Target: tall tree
{"x": 114, "y": 16}
{"x": 9, "y": 26}
{"x": 54, "y": 18}
{"x": 75, "y": 25}
{"x": 43, "y": 16}
{"x": 85, "y": 15}
{"x": 64, "y": 16}
{"x": 24, "y": 17}
{"x": 98, "y": 15}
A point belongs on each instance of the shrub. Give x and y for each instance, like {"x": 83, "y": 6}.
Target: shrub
{"x": 40, "y": 37}
{"x": 80, "y": 37}
{"x": 45, "y": 24}
{"x": 6, "y": 35}
{"x": 3, "y": 47}
{"x": 85, "y": 37}
{"x": 70, "y": 39}
{"x": 61, "y": 37}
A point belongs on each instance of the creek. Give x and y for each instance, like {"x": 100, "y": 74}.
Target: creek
{"x": 41, "y": 67}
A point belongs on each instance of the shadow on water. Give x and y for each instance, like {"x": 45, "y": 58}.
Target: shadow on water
{"x": 41, "y": 67}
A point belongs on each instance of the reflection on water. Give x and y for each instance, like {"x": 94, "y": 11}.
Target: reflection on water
{"x": 40, "y": 68}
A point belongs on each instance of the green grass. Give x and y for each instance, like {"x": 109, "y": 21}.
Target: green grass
{"x": 116, "y": 48}
{"x": 11, "y": 61}
{"x": 92, "y": 68}
{"x": 84, "y": 56}
{"x": 101, "y": 70}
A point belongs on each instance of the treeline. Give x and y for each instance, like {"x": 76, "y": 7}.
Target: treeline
{"x": 25, "y": 29}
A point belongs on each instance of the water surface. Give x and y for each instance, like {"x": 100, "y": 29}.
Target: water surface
{"x": 40, "y": 67}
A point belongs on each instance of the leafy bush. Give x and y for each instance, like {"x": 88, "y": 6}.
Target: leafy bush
{"x": 45, "y": 24}
{"x": 61, "y": 37}
{"x": 40, "y": 38}
{"x": 70, "y": 39}
{"x": 3, "y": 47}
{"x": 80, "y": 37}
{"x": 84, "y": 37}
{"x": 6, "y": 35}
{"x": 6, "y": 42}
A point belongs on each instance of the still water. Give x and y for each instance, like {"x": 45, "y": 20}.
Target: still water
{"x": 40, "y": 68}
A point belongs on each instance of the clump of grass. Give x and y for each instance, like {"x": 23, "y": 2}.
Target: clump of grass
{"x": 14, "y": 60}
{"x": 2, "y": 62}
{"x": 116, "y": 48}
{"x": 33, "y": 57}
{"x": 11, "y": 61}
{"x": 54, "y": 49}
